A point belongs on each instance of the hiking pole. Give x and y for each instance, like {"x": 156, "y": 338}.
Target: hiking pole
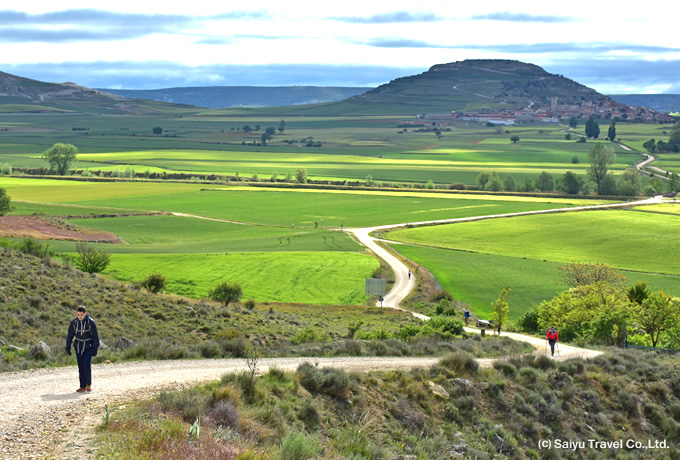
{"x": 545, "y": 351}
{"x": 558, "y": 348}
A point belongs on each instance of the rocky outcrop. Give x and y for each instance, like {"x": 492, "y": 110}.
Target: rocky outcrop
{"x": 39, "y": 351}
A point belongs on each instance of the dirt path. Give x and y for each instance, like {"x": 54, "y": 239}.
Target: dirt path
{"x": 41, "y": 416}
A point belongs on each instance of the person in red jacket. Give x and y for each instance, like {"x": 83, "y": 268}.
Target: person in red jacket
{"x": 552, "y": 338}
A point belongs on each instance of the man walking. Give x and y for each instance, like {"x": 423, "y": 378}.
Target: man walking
{"x": 82, "y": 333}
{"x": 552, "y": 338}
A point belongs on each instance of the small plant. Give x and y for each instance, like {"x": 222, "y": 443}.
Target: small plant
{"x": 91, "y": 259}
{"x": 250, "y": 304}
{"x": 195, "y": 431}
{"x": 107, "y": 415}
{"x": 155, "y": 282}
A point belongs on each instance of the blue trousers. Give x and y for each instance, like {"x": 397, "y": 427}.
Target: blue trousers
{"x": 85, "y": 367}
{"x": 552, "y": 346}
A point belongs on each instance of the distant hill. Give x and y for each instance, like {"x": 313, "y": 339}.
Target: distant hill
{"x": 661, "y": 102}
{"x": 471, "y": 86}
{"x": 217, "y": 97}
{"x": 18, "y": 94}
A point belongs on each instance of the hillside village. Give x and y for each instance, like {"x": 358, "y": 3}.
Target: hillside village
{"x": 605, "y": 109}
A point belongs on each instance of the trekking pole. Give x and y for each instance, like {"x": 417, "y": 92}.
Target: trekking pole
{"x": 545, "y": 351}
{"x": 558, "y": 348}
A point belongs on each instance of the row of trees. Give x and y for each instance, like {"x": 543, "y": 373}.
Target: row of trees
{"x": 600, "y": 308}
{"x": 672, "y": 145}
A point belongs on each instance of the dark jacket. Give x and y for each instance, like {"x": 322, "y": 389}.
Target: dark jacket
{"x": 83, "y": 334}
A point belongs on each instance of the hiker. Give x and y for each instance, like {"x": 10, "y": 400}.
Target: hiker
{"x": 552, "y": 338}
{"x": 409, "y": 274}
{"x": 82, "y": 333}
{"x": 466, "y": 315}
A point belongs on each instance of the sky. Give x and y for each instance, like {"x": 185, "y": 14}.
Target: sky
{"x": 627, "y": 48}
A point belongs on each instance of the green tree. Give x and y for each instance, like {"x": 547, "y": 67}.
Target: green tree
{"x": 545, "y": 182}
{"x": 673, "y": 182}
{"x": 60, "y": 156}
{"x": 570, "y": 183}
{"x": 500, "y": 309}
{"x": 5, "y": 202}
{"x": 608, "y": 186}
{"x": 582, "y": 274}
{"x": 483, "y": 179}
{"x": 301, "y": 176}
{"x": 601, "y": 157}
{"x": 629, "y": 185}
{"x": 674, "y": 137}
{"x": 528, "y": 185}
{"x": 247, "y": 128}
{"x": 264, "y": 137}
{"x": 270, "y": 130}
{"x": 282, "y": 126}
{"x": 494, "y": 183}
{"x": 638, "y": 292}
{"x": 509, "y": 184}
{"x": 157, "y": 130}
{"x": 573, "y": 122}
{"x": 657, "y": 314}
{"x": 611, "y": 133}
{"x": 592, "y": 128}
{"x": 226, "y": 292}
{"x": 514, "y": 139}
{"x": 650, "y": 145}
{"x": 90, "y": 259}
{"x": 567, "y": 136}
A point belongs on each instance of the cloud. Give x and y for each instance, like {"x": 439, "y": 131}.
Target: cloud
{"x": 93, "y": 24}
{"x": 522, "y": 17}
{"x": 390, "y": 18}
{"x": 162, "y": 74}
{"x": 400, "y": 43}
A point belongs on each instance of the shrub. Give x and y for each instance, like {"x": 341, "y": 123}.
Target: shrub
{"x": 226, "y": 292}
{"x": 225, "y": 414}
{"x": 332, "y": 382}
{"x": 155, "y": 282}
{"x": 460, "y": 362}
{"x": 91, "y": 259}
{"x": 505, "y": 367}
{"x": 250, "y": 304}
{"x": 309, "y": 414}
{"x": 191, "y": 402}
{"x": 210, "y": 349}
{"x": 34, "y": 248}
{"x": 299, "y": 446}
{"x": 528, "y": 375}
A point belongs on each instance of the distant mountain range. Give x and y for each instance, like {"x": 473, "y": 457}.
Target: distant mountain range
{"x": 218, "y": 97}
{"x": 666, "y": 103}
{"x": 488, "y": 87}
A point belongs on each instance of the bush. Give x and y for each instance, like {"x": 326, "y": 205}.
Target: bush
{"x": 299, "y": 446}
{"x": 155, "y": 282}
{"x": 191, "y": 402}
{"x": 226, "y": 292}
{"x": 210, "y": 349}
{"x": 460, "y": 362}
{"x": 505, "y": 367}
{"x": 91, "y": 259}
{"x": 225, "y": 414}
{"x": 250, "y": 304}
{"x": 332, "y": 382}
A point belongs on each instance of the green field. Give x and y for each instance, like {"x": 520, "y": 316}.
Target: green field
{"x": 477, "y": 279}
{"x": 627, "y": 240}
{"x": 299, "y": 277}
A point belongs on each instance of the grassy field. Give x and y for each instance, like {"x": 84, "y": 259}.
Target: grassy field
{"x": 277, "y": 207}
{"x": 349, "y": 148}
{"x": 298, "y": 277}
{"x": 477, "y": 279}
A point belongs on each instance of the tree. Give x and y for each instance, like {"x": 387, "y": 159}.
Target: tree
{"x": 247, "y": 128}
{"x": 60, "y": 156}
{"x": 157, "y": 130}
{"x": 509, "y": 184}
{"x": 528, "y": 185}
{"x": 91, "y": 259}
{"x": 226, "y": 293}
{"x": 573, "y": 122}
{"x": 545, "y": 182}
{"x": 650, "y": 146}
{"x": 483, "y": 179}
{"x": 570, "y": 183}
{"x": 657, "y": 314}
{"x": 638, "y": 292}
{"x": 500, "y": 309}
{"x": 567, "y": 136}
{"x": 673, "y": 182}
{"x": 301, "y": 176}
{"x": 608, "y": 186}
{"x": 629, "y": 185}
{"x": 601, "y": 157}
{"x": 494, "y": 183}
{"x": 674, "y": 137}
{"x": 265, "y": 137}
{"x": 592, "y": 128}
{"x": 514, "y": 139}
{"x": 611, "y": 133}
{"x": 282, "y": 126}
{"x": 5, "y": 202}
{"x": 270, "y": 130}
{"x": 576, "y": 274}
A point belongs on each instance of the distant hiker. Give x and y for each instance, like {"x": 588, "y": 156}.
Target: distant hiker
{"x": 552, "y": 337}
{"x": 409, "y": 274}
{"x": 466, "y": 315}
{"x": 82, "y": 333}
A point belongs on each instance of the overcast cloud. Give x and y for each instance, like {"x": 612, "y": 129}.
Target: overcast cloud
{"x": 130, "y": 44}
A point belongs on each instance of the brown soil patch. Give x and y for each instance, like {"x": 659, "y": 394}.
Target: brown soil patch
{"x": 42, "y": 229}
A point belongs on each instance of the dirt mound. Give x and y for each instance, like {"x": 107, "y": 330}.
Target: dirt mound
{"x": 41, "y": 228}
